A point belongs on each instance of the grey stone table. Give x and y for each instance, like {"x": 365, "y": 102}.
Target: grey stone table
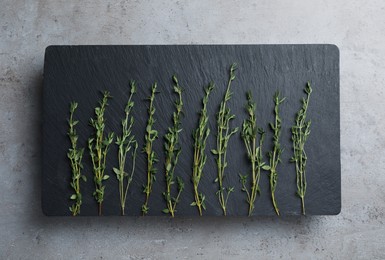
{"x": 357, "y": 27}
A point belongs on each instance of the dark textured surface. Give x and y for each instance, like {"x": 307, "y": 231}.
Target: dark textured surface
{"x": 81, "y": 72}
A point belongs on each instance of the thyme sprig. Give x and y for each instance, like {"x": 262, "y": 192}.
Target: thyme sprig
{"x": 75, "y": 155}
{"x": 150, "y": 137}
{"x": 250, "y": 132}
{"x": 200, "y": 136}
{"x": 300, "y": 133}
{"x": 98, "y": 147}
{"x": 126, "y": 142}
{"x": 223, "y": 136}
{"x": 172, "y": 149}
{"x": 275, "y": 154}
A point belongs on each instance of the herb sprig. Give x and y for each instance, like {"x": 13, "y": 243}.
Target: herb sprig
{"x": 223, "y": 136}
{"x": 300, "y": 133}
{"x": 150, "y": 137}
{"x": 98, "y": 147}
{"x": 75, "y": 155}
{"x": 250, "y": 132}
{"x": 126, "y": 142}
{"x": 200, "y": 136}
{"x": 172, "y": 149}
{"x": 275, "y": 155}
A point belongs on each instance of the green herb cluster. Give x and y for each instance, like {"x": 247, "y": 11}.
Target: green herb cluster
{"x": 300, "y": 133}
{"x": 75, "y": 155}
{"x": 126, "y": 142}
{"x": 98, "y": 147}
{"x": 223, "y": 136}
{"x": 173, "y": 150}
{"x": 200, "y": 136}
{"x": 250, "y": 133}
{"x": 275, "y": 155}
{"x": 150, "y": 137}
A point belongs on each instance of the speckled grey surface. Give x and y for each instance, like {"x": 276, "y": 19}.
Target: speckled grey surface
{"x": 355, "y": 26}
{"x": 81, "y": 73}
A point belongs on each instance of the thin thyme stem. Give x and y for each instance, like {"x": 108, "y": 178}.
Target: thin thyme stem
{"x": 150, "y": 137}
{"x": 173, "y": 150}
{"x": 223, "y": 136}
{"x": 250, "y": 132}
{"x": 75, "y": 155}
{"x": 98, "y": 146}
{"x": 200, "y": 136}
{"x": 125, "y": 142}
{"x": 300, "y": 133}
{"x": 275, "y": 155}
{"x": 132, "y": 172}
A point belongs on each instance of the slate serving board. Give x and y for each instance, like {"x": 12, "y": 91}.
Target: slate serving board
{"x": 80, "y": 73}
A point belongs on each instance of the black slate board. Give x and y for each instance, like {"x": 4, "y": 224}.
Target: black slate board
{"x": 79, "y": 73}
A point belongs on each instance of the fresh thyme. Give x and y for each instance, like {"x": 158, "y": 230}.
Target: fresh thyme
{"x": 275, "y": 155}
{"x": 126, "y": 142}
{"x": 223, "y": 136}
{"x": 200, "y": 136}
{"x": 98, "y": 147}
{"x": 172, "y": 149}
{"x": 150, "y": 137}
{"x": 300, "y": 133}
{"x": 75, "y": 155}
{"x": 250, "y": 132}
